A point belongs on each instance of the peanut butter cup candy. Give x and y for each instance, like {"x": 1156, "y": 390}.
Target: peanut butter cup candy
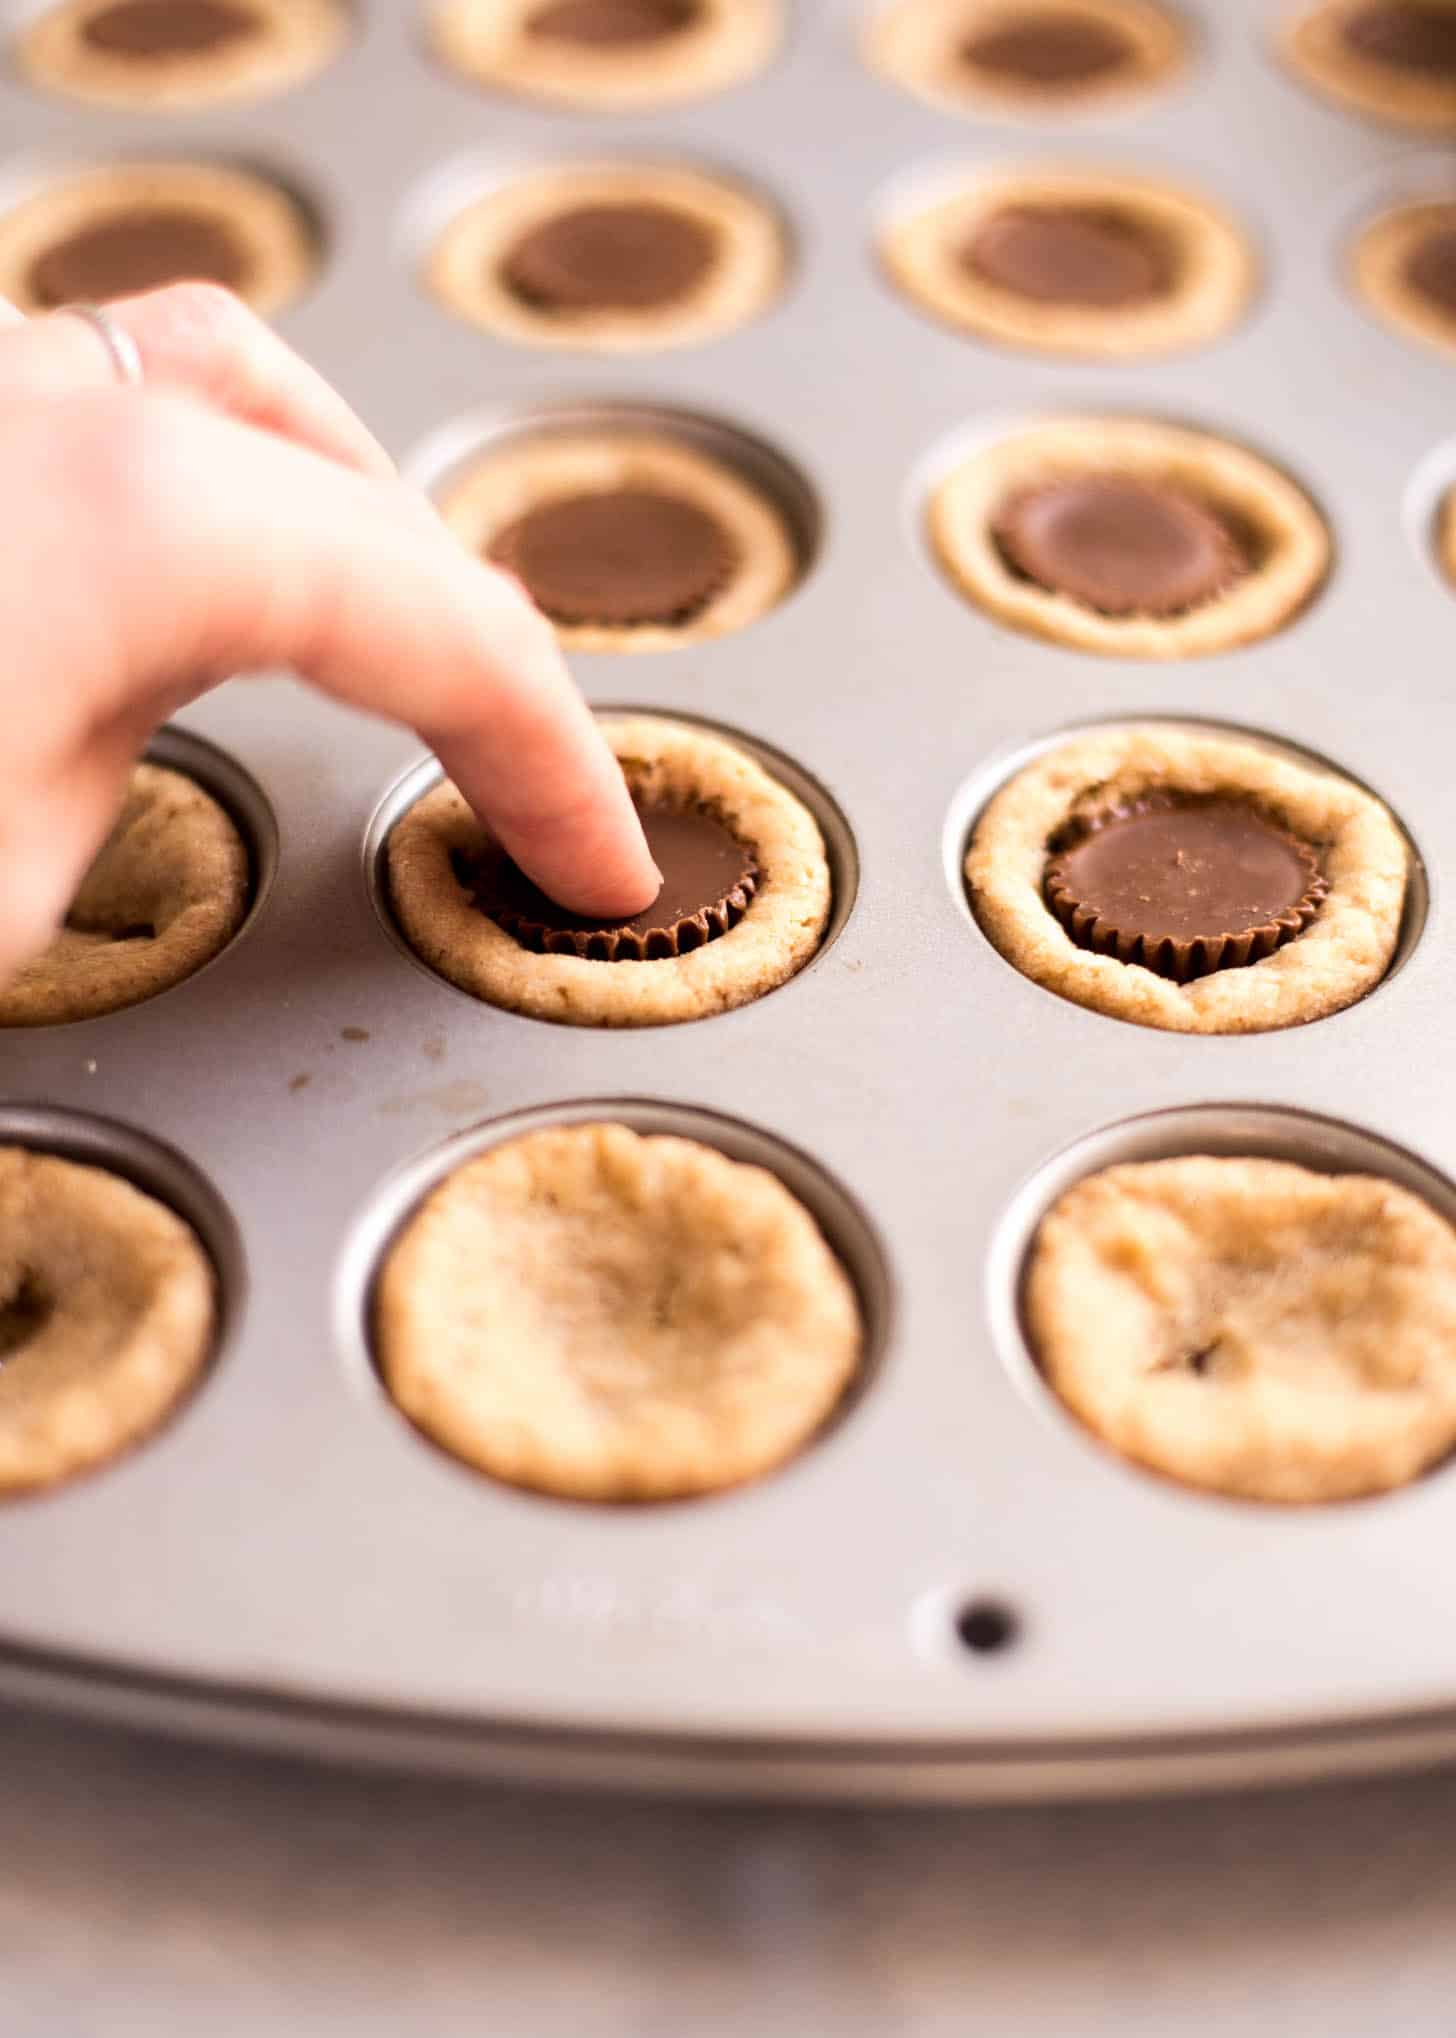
{"x": 167, "y": 892}
{"x": 588, "y": 1312}
{"x": 1250, "y": 1327}
{"x": 1404, "y": 265}
{"x": 1129, "y": 537}
{"x": 610, "y": 258}
{"x": 607, "y": 54}
{"x": 626, "y": 541}
{"x": 744, "y": 903}
{"x": 162, "y": 54}
{"x": 107, "y": 1317}
{"x": 1393, "y": 59}
{"x": 115, "y": 231}
{"x": 1073, "y": 262}
{"x": 1188, "y": 880}
{"x": 1034, "y": 57}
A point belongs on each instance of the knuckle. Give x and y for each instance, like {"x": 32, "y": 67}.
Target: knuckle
{"x": 205, "y": 313}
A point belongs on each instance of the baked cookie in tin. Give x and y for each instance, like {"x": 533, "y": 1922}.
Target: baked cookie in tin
{"x": 161, "y": 55}
{"x": 1035, "y": 58}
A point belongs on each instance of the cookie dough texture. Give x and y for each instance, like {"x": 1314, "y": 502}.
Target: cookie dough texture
{"x": 1278, "y": 527}
{"x": 107, "y": 1316}
{"x": 665, "y": 763}
{"x": 722, "y": 43}
{"x": 1251, "y": 1327}
{"x": 605, "y": 1316}
{"x": 507, "y": 482}
{"x": 1341, "y": 956}
{"x": 1378, "y": 266}
{"x": 464, "y": 269}
{"x": 174, "y": 864}
{"x": 271, "y": 228}
{"x": 919, "y": 44}
{"x": 1315, "y": 45}
{"x": 291, "y": 41}
{"x": 1211, "y": 265}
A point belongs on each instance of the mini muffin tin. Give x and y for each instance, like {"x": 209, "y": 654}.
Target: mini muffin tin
{"x": 956, "y": 1592}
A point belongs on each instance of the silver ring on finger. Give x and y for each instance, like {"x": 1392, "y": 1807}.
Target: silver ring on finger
{"x": 125, "y": 354}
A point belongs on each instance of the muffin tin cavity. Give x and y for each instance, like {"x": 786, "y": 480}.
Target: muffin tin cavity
{"x": 635, "y": 529}
{"x": 86, "y": 232}
{"x": 173, "y": 888}
{"x": 1324, "y": 1147}
{"x": 78, "y": 1392}
{"x": 840, "y": 1223}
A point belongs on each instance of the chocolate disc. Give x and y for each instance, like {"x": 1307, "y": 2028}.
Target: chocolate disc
{"x": 708, "y": 879}
{"x": 1406, "y": 35}
{"x": 1070, "y": 254}
{"x": 631, "y": 257}
{"x": 138, "y": 250}
{"x": 169, "y": 28}
{"x": 1184, "y": 887}
{"x": 1120, "y": 545}
{"x": 620, "y": 556}
{"x": 1048, "y": 48}
{"x": 1430, "y": 267}
{"x": 612, "y": 24}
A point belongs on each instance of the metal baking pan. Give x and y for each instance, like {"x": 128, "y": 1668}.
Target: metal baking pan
{"x": 290, "y": 1562}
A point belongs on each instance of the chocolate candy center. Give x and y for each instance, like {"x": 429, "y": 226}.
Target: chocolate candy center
{"x": 612, "y": 24}
{"x": 1430, "y": 268}
{"x": 1070, "y": 254}
{"x": 1405, "y": 35}
{"x": 1119, "y": 545}
{"x": 138, "y": 250}
{"x": 633, "y": 257}
{"x": 1048, "y": 49}
{"x": 1185, "y": 887}
{"x": 621, "y": 556}
{"x": 708, "y": 879}
{"x": 169, "y": 28}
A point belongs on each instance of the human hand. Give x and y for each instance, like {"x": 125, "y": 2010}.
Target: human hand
{"x": 234, "y": 514}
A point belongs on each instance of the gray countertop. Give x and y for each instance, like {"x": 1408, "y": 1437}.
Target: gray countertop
{"x": 159, "y": 1889}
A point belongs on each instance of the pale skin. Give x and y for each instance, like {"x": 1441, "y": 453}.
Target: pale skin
{"x": 235, "y": 515}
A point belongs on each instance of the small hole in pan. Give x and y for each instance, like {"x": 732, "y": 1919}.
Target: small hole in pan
{"x": 987, "y": 1627}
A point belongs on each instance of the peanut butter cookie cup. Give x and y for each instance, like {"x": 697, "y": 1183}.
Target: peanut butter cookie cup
{"x": 128, "y": 227}
{"x": 627, "y": 541}
{"x": 744, "y": 905}
{"x": 1129, "y": 537}
{"x": 162, "y": 54}
{"x": 168, "y": 891}
{"x": 107, "y": 1316}
{"x": 1073, "y": 262}
{"x": 1034, "y": 57}
{"x": 610, "y": 258}
{"x": 1394, "y": 59}
{"x": 603, "y": 1316}
{"x": 607, "y": 54}
{"x": 1404, "y": 265}
{"x": 1190, "y": 881}
{"x": 1250, "y": 1327}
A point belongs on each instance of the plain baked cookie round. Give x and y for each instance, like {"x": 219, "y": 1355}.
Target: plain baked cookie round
{"x": 1027, "y": 57}
{"x": 165, "y": 54}
{"x": 107, "y": 1316}
{"x": 1340, "y": 956}
{"x": 1251, "y": 1327}
{"x": 1281, "y": 536}
{"x": 1393, "y": 59}
{"x": 1404, "y": 266}
{"x": 608, "y": 55}
{"x": 604, "y": 1316}
{"x": 130, "y": 227}
{"x": 506, "y": 483}
{"x": 167, "y": 892}
{"x": 1187, "y": 268}
{"x": 666, "y": 763}
{"x": 739, "y": 238}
